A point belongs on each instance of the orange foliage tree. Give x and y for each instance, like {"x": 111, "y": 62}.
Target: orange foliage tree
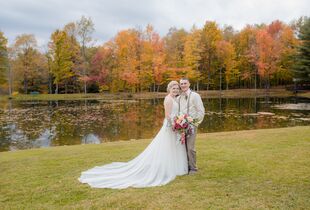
{"x": 226, "y": 56}
{"x": 127, "y": 69}
{"x": 211, "y": 35}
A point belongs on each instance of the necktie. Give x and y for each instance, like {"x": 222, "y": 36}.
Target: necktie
{"x": 185, "y": 96}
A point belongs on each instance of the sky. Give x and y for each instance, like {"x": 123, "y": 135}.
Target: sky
{"x": 42, "y": 17}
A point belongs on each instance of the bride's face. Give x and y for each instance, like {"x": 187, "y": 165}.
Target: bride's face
{"x": 175, "y": 90}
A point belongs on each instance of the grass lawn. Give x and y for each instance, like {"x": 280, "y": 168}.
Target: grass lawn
{"x": 256, "y": 169}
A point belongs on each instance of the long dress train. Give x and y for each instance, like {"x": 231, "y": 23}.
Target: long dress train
{"x": 162, "y": 160}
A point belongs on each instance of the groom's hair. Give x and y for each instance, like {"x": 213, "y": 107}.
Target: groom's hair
{"x": 184, "y": 78}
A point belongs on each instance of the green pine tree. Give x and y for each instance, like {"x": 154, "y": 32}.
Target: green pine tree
{"x": 302, "y": 67}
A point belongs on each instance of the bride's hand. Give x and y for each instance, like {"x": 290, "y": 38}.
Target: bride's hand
{"x": 169, "y": 122}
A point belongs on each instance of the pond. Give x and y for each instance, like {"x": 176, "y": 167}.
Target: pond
{"x": 34, "y": 124}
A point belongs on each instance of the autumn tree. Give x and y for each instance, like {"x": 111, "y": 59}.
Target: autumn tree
{"x": 174, "y": 46}
{"x": 158, "y": 61}
{"x": 146, "y": 55}
{"x": 102, "y": 66}
{"x": 211, "y": 35}
{"x": 226, "y": 56}
{"x": 244, "y": 42}
{"x": 60, "y": 56}
{"x": 228, "y": 33}
{"x": 288, "y": 43}
{"x": 72, "y": 83}
{"x": 71, "y": 29}
{"x": 265, "y": 52}
{"x": 4, "y": 62}
{"x": 85, "y": 28}
{"x": 192, "y": 55}
{"x": 127, "y": 46}
{"x": 29, "y": 64}
{"x": 152, "y": 60}
{"x": 264, "y": 56}
{"x": 273, "y": 48}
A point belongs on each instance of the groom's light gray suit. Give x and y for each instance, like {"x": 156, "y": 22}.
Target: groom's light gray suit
{"x": 190, "y": 103}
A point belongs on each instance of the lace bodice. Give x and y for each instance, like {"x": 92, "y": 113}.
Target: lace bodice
{"x": 174, "y": 110}
{"x": 171, "y": 107}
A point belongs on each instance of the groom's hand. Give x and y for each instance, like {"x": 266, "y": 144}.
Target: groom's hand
{"x": 195, "y": 122}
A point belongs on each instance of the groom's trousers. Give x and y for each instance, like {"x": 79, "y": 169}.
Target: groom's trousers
{"x": 191, "y": 150}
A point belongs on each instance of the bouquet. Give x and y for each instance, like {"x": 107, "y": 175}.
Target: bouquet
{"x": 182, "y": 124}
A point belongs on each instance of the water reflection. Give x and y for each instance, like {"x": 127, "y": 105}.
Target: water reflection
{"x": 29, "y": 124}
{"x": 90, "y": 139}
{"x": 299, "y": 106}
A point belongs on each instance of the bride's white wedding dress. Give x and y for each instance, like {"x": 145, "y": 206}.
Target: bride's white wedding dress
{"x": 163, "y": 159}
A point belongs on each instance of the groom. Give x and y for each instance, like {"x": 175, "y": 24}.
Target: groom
{"x": 190, "y": 103}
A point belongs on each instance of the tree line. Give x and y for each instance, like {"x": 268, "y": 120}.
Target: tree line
{"x": 135, "y": 60}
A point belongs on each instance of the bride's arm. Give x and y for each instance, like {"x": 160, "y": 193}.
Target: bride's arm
{"x": 168, "y": 103}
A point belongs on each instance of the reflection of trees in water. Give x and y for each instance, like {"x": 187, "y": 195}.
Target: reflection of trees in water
{"x": 73, "y": 121}
{"x": 23, "y": 127}
{"x": 231, "y": 114}
{"x": 139, "y": 119}
{"x": 44, "y": 123}
{"x": 90, "y": 139}
{"x": 110, "y": 121}
{"x": 225, "y": 105}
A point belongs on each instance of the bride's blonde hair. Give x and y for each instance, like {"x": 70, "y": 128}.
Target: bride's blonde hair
{"x": 171, "y": 84}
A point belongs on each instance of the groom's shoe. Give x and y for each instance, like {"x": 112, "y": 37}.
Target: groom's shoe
{"x": 192, "y": 172}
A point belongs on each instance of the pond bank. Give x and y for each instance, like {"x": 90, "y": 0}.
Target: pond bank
{"x": 234, "y": 93}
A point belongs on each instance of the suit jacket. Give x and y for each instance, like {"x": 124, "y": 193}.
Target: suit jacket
{"x": 195, "y": 106}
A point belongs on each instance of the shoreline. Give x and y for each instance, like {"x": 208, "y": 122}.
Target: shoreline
{"x": 199, "y": 136}
{"x": 233, "y": 93}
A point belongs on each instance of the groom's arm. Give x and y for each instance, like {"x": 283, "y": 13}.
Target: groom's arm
{"x": 200, "y": 109}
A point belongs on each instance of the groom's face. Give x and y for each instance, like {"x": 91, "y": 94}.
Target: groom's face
{"x": 184, "y": 85}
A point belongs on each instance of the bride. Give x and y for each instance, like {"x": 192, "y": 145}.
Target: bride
{"x": 163, "y": 159}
